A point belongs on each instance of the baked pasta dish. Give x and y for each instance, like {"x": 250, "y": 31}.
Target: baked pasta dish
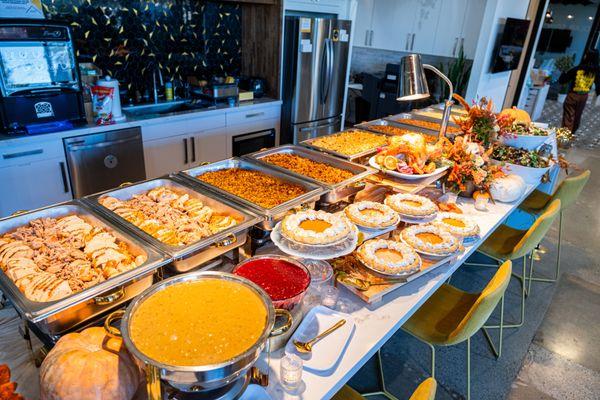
{"x": 253, "y": 186}
{"x": 52, "y": 258}
{"x": 350, "y": 142}
{"x": 170, "y": 216}
{"x": 316, "y": 170}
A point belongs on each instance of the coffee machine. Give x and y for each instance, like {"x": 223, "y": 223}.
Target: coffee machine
{"x": 40, "y": 88}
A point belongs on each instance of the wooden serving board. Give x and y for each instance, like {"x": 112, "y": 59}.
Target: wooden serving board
{"x": 376, "y": 293}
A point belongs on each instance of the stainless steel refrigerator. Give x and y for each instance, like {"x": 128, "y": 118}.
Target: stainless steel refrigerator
{"x": 315, "y": 59}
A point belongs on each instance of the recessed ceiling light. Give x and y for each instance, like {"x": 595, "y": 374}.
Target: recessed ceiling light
{"x": 569, "y": 16}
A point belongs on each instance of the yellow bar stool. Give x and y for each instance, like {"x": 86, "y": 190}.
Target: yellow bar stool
{"x": 507, "y": 243}
{"x": 568, "y": 192}
{"x": 451, "y": 316}
{"x": 425, "y": 391}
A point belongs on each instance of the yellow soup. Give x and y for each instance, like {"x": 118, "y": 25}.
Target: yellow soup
{"x": 197, "y": 323}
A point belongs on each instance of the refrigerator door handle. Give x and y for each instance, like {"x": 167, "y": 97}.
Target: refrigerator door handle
{"x": 328, "y": 77}
{"x": 316, "y": 127}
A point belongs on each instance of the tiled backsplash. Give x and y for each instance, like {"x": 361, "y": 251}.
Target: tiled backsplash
{"x": 129, "y": 39}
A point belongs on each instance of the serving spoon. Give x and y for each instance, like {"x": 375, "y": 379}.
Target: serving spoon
{"x": 306, "y": 347}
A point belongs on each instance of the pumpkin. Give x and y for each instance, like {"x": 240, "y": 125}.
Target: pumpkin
{"x": 517, "y": 114}
{"x": 89, "y": 366}
{"x": 507, "y": 189}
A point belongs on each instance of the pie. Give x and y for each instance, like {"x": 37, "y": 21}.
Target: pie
{"x": 371, "y": 214}
{"x": 457, "y": 224}
{"x": 315, "y": 227}
{"x": 388, "y": 256}
{"x": 411, "y": 205}
{"x": 430, "y": 239}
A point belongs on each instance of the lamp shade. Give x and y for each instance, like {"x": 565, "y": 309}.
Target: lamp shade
{"x": 413, "y": 84}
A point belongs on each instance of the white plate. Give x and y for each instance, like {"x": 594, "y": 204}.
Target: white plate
{"x": 397, "y": 174}
{"x": 315, "y": 252}
{"x": 255, "y": 392}
{"x": 328, "y": 350}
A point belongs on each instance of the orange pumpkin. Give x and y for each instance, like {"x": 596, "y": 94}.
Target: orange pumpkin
{"x": 517, "y": 114}
{"x": 89, "y": 366}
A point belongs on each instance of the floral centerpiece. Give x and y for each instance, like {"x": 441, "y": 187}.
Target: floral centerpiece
{"x": 481, "y": 122}
{"x": 471, "y": 166}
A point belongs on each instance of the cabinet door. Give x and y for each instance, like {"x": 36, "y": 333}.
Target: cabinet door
{"x": 209, "y": 146}
{"x": 392, "y": 24}
{"x": 362, "y": 23}
{"x": 471, "y": 27}
{"x": 33, "y": 185}
{"x": 164, "y": 156}
{"x": 449, "y": 27}
{"x": 426, "y": 19}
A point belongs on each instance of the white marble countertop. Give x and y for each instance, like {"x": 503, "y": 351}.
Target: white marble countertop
{"x": 376, "y": 323}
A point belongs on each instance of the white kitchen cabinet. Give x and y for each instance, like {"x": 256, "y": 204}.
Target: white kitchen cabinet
{"x": 426, "y": 18}
{"x": 209, "y": 146}
{"x": 449, "y": 29}
{"x": 363, "y": 23}
{"x": 33, "y": 185}
{"x": 392, "y": 24}
{"x": 471, "y": 26}
{"x": 168, "y": 155}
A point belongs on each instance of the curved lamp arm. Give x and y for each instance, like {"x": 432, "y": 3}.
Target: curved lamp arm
{"x": 448, "y": 103}
{"x": 441, "y": 75}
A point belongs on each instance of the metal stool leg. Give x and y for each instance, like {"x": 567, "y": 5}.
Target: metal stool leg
{"x": 469, "y": 368}
{"x": 497, "y": 352}
{"x": 558, "y": 250}
{"x": 522, "y": 280}
{"x": 383, "y": 392}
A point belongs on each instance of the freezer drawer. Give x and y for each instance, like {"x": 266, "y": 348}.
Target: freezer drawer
{"x": 104, "y": 160}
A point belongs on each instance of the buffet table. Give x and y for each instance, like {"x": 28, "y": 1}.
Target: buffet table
{"x": 377, "y": 323}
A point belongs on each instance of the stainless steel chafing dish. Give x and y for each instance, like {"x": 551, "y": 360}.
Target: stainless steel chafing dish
{"x": 336, "y": 191}
{"x": 398, "y": 118}
{"x": 361, "y": 157}
{"x": 439, "y": 112}
{"x": 368, "y": 126}
{"x": 271, "y": 215}
{"x": 184, "y": 258}
{"x": 56, "y": 317}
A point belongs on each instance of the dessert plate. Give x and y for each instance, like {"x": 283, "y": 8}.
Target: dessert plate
{"x": 327, "y": 351}
{"x": 411, "y": 177}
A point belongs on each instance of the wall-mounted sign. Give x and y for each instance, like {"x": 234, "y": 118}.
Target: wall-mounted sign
{"x": 21, "y": 9}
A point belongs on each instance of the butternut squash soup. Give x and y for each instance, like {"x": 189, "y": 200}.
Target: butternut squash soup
{"x": 198, "y": 323}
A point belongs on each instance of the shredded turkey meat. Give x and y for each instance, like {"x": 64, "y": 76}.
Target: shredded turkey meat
{"x": 172, "y": 217}
{"x": 51, "y": 258}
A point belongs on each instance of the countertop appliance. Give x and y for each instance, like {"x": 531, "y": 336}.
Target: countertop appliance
{"x": 314, "y": 74}
{"x": 104, "y": 160}
{"x": 39, "y": 80}
{"x": 247, "y": 143}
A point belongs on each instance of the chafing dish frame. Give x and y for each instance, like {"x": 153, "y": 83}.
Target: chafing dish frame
{"x": 336, "y": 191}
{"x": 57, "y": 317}
{"x": 367, "y": 127}
{"x": 271, "y": 215}
{"x": 362, "y": 156}
{"x": 397, "y": 119}
{"x": 186, "y": 257}
{"x": 440, "y": 111}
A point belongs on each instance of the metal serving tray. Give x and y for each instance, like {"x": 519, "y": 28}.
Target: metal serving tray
{"x": 383, "y": 122}
{"x": 336, "y": 192}
{"x": 358, "y": 157}
{"x": 439, "y": 113}
{"x": 271, "y": 215}
{"x": 397, "y": 119}
{"x": 58, "y": 316}
{"x": 189, "y": 256}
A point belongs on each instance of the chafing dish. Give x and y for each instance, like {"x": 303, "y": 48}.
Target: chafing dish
{"x": 336, "y": 192}
{"x": 436, "y": 113}
{"x": 398, "y": 118}
{"x": 361, "y": 157}
{"x": 184, "y": 258}
{"x": 56, "y": 317}
{"x": 200, "y": 378}
{"x": 271, "y": 215}
{"x": 383, "y": 122}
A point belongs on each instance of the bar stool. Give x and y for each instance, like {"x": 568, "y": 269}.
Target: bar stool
{"x": 425, "y": 391}
{"x": 507, "y": 243}
{"x": 568, "y": 192}
{"x": 451, "y": 316}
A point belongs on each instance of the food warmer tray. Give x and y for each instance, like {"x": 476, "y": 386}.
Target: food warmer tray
{"x": 189, "y": 256}
{"x": 384, "y": 122}
{"x": 360, "y": 158}
{"x": 438, "y": 111}
{"x": 271, "y": 215}
{"x": 397, "y": 119}
{"x": 336, "y": 192}
{"x": 57, "y": 317}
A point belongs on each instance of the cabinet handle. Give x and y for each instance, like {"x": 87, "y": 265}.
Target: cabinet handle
{"x": 193, "y": 140}
{"x": 258, "y": 114}
{"x": 455, "y": 44}
{"x": 367, "y": 33}
{"x": 63, "y": 175}
{"x": 185, "y": 152}
{"x": 412, "y": 43}
{"x": 462, "y": 44}
{"x": 407, "y": 40}
{"x": 371, "y": 39}
{"x": 22, "y": 154}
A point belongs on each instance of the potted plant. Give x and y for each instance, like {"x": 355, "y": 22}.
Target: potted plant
{"x": 563, "y": 64}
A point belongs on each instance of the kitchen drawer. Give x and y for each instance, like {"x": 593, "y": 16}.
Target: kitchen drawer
{"x": 254, "y": 114}
{"x": 161, "y": 130}
{"x": 23, "y": 154}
